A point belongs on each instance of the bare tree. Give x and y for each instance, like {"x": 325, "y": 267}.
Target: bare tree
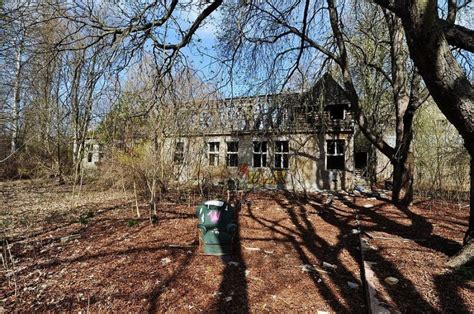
{"x": 14, "y": 42}
{"x": 404, "y": 85}
{"x": 429, "y": 38}
{"x": 270, "y": 32}
{"x": 127, "y": 29}
{"x": 275, "y": 30}
{"x": 142, "y": 130}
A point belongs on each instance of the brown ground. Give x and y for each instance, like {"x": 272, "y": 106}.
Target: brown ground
{"x": 412, "y": 246}
{"x": 145, "y": 267}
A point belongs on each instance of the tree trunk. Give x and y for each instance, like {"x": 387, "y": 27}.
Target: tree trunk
{"x": 469, "y": 237}
{"x": 136, "y": 198}
{"x": 16, "y": 101}
{"x": 76, "y": 113}
{"x": 405, "y": 106}
{"x": 443, "y": 76}
{"x": 402, "y": 193}
{"x": 153, "y": 212}
{"x": 466, "y": 254}
{"x": 448, "y": 84}
{"x": 58, "y": 156}
{"x": 402, "y": 160}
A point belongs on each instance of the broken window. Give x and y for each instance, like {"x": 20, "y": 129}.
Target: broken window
{"x": 304, "y": 114}
{"x": 213, "y": 153}
{"x": 281, "y": 154}
{"x": 179, "y": 153}
{"x": 101, "y": 153}
{"x": 360, "y": 160}
{"x": 336, "y": 112}
{"x": 259, "y": 154}
{"x": 88, "y": 151}
{"x": 335, "y": 155}
{"x": 232, "y": 158}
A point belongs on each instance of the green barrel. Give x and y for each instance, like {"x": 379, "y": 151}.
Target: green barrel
{"x": 216, "y": 227}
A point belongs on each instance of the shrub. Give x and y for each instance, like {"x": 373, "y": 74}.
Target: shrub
{"x": 132, "y": 223}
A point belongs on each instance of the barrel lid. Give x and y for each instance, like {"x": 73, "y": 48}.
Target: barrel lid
{"x": 214, "y": 203}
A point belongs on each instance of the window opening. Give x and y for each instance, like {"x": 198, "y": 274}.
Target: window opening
{"x": 336, "y": 112}
{"x": 213, "y": 153}
{"x": 259, "y": 154}
{"x": 232, "y": 158}
{"x": 335, "y": 155}
{"x": 179, "y": 153}
{"x": 360, "y": 160}
{"x": 281, "y": 154}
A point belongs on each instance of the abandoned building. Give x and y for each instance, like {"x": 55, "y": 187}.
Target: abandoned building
{"x": 93, "y": 153}
{"x": 296, "y": 141}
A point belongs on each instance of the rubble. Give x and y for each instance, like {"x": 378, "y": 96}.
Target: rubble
{"x": 328, "y": 265}
{"x": 391, "y": 281}
{"x": 70, "y": 238}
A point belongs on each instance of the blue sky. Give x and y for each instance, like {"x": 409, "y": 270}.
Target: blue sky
{"x": 202, "y": 54}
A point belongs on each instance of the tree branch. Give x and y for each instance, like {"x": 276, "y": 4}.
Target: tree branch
{"x": 456, "y": 35}
{"x": 351, "y": 92}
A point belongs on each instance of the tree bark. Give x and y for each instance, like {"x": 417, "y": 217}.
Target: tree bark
{"x": 402, "y": 160}
{"x": 16, "y": 100}
{"x": 136, "y": 198}
{"x": 469, "y": 237}
{"x": 405, "y": 106}
{"x": 402, "y": 193}
{"x": 443, "y": 76}
{"x": 448, "y": 84}
{"x": 466, "y": 255}
{"x": 76, "y": 150}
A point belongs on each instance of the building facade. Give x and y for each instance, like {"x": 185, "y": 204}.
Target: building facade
{"x": 299, "y": 141}
{"x": 295, "y": 141}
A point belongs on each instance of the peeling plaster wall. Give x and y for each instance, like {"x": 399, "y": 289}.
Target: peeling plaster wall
{"x": 307, "y": 162}
{"x": 91, "y": 147}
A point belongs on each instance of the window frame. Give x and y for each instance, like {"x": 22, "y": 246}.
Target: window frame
{"x": 178, "y": 157}
{"x": 213, "y": 153}
{"x": 262, "y": 154}
{"x": 232, "y": 153}
{"x": 281, "y": 154}
{"x": 339, "y": 151}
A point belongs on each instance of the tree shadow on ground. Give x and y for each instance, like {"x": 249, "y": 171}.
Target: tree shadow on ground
{"x": 158, "y": 290}
{"x": 91, "y": 296}
{"x": 420, "y": 228}
{"x": 313, "y": 245}
{"x": 232, "y": 296}
{"x": 306, "y": 240}
{"x": 420, "y": 231}
{"x": 447, "y": 285}
{"x": 96, "y": 226}
{"x": 58, "y": 225}
{"x": 309, "y": 245}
